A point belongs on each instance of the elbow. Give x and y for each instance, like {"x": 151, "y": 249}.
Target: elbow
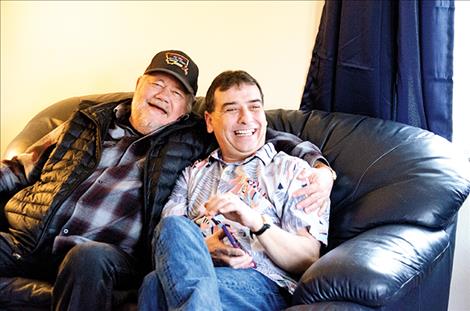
{"x": 309, "y": 258}
{"x": 307, "y": 263}
{"x": 303, "y": 264}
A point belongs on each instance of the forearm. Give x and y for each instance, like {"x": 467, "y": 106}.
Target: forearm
{"x": 292, "y": 252}
{"x": 295, "y": 146}
{"x": 24, "y": 168}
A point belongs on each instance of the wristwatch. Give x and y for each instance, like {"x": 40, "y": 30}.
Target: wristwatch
{"x": 267, "y": 221}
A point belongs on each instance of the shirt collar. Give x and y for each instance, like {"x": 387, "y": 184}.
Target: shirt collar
{"x": 266, "y": 154}
{"x": 122, "y": 113}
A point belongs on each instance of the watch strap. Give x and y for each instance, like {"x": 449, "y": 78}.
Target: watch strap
{"x": 260, "y": 231}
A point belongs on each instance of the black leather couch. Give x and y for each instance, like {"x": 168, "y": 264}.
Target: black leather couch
{"x": 393, "y": 217}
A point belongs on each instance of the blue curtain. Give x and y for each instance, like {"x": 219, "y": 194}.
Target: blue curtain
{"x": 391, "y": 59}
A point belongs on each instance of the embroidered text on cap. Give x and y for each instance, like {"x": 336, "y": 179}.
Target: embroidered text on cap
{"x": 178, "y": 60}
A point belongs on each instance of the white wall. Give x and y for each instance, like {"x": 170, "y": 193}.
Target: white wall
{"x": 51, "y": 50}
{"x": 56, "y": 49}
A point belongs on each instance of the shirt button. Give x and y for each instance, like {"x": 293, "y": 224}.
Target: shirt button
{"x": 66, "y": 231}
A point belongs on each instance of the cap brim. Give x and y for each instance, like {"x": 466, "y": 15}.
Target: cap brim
{"x": 172, "y": 73}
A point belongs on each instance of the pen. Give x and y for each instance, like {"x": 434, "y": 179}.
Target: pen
{"x": 229, "y": 235}
{"x": 217, "y": 220}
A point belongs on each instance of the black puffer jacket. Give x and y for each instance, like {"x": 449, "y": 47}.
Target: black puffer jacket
{"x": 31, "y": 211}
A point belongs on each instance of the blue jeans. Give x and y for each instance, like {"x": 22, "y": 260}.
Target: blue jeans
{"x": 186, "y": 279}
{"x": 89, "y": 273}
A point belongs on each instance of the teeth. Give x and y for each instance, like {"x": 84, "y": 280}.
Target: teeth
{"x": 245, "y": 132}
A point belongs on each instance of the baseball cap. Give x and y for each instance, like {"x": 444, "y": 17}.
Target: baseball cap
{"x": 177, "y": 64}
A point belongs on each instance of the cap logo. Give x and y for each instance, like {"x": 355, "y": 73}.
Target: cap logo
{"x": 178, "y": 60}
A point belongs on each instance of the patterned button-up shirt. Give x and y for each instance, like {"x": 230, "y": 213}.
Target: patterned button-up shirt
{"x": 265, "y": 182}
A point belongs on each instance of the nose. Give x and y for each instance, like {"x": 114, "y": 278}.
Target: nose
{"x": 163, "y": 94}
{"x": 245, "y": 115}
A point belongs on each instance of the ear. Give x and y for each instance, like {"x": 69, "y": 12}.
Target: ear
{"x": 208, "y": 118}
{"x": 138, "y": 81}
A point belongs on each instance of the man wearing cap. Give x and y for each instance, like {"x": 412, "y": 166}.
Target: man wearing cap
{"x": 88, "y": 195}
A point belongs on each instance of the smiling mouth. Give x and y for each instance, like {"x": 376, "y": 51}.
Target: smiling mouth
{"x": 156, "y": 106}
{"x": 247, "y": 132}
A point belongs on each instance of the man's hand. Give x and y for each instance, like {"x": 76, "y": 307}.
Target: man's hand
{"x": 230, "y": 205}
{"x": 319, "y": 184}
{"x": 225, "y": 255}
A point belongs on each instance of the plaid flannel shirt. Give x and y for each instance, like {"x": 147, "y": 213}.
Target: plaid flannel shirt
{"x": 107, "y": 206}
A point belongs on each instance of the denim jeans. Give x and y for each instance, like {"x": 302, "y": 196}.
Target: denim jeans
{"x": 186, "y": 279}
{"x": 89, "y": 273}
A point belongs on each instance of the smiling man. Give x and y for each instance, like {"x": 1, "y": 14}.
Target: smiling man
{"x": 242, "y": 197}
{"x": 165, "y": 91}
{"x": 238, "y": 121}
{"x": 87, "y": 196}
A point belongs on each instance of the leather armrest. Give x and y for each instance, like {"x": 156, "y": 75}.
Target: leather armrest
{"x": 52, "y": 116}
{"x": 24, "y": 294}
{"x": 331, "y": 306}
{"x": 374, "y": 268}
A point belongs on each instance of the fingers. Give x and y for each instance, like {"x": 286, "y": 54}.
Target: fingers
{"x": 312, "y": 194}
{"x": 311, "y": 185}
{"x": 315, "y": 202}
{"x": 323, "y": 208}
{"x": 317, "y": 206}
{"x": 219, "y": 204}
{"x": 306, "y": 173}
{"x": 308, "y": 190}
{"x": 237, "y": 258}
{"x": 218, "y": 233}
{"x": 228, "y": 251}
{"x": 226, "y": 205}
{"x": 233, "y": 257}
{"x": 316, "y": 191}
{"x": 231, "y": 206}
{"x": 242, "y": 262}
